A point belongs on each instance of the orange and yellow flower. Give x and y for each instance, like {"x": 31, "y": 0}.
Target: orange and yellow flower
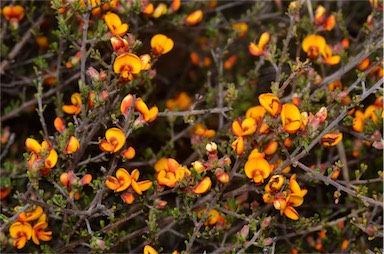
{"x": 73, "y": 145}
{"x": 271, "y": 103}
{"x": 194, "y": 18}
{"x": 290, "y": 118}
{"x": 119, "y": 45}
{"x": 121, "y": 182}
{"x": 240, "y": 28}
{"x": 141, "y": 186}
{"x": 259, "y": 49}
{"x": 331, "y": 139}
{"x": 115, "y": 25}
{"x": 169, "y": 172}
{"x": 258, "y": 170}
{"x": 38, "y": 231}
{"x": 146, "y": 115}
{"x": 161, "y": 44}
{"x": 328, "y": 58}
{"x": 203, "y": 186}
{"x": 43, "y": 157}
{"x": 314, "y": 45}
{"x": 181, "y": 102}
{"x": 20, "y": 232}
{"x": 14, "y": 14}
{"x": 75, "y": 108}
{"x": 127, "y": 65}
{"x": 114, "y": 140}
{"x": 126, "y": 104}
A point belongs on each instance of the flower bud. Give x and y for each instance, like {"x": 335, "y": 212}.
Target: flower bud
{"x": 204, "y": 186}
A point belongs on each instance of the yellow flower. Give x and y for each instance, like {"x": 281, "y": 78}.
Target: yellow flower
{"x": 271, "y": 147}
{"x": 75, "y": 108}
{"x": 194, "y": 18}
{"x": 145, "y": 62}
{"x": 331, "y": 139}
{"x": 141, "y": 186}
{"x": 257, "y": 113}
{"x": 28, "y": 216}
{"x": 203, "y": 186}
{"x": 43, "y": 157}
{"x": 147, "y": 115}
{"x": 161, "y": 44}
{"x": 115, "y": 25}
{"x": 127, "y": 65}
{"x": 72, "y": 146}
{"x": 149, "y": 250}
{"x": 21, "y": 232}
{"x": 314, "y": 45}
{"x": 259, "y": 49}
{"x": 212, "y": 216}
{"x": 128, "y": 153}
{"x": 114, "y": 140}
{"x": 328, "y": 58}
{"x": 119, "y": 183}
{"x": 238, "y": 145}
{"x": 181, "y": 102}
{"x": 290, "y": 118}
{"x": 257, "y": 169}
{"x": 170, "y": 172}
{"x": 201, "y": 131}
{"x": 240, "y": 28}
{"x": 275, "y": 184}
{"x": 245, "y": 128}
{"x": 160, "y": 10}
{"x": 271, "y": 103}
{"x": 39, "y": 233}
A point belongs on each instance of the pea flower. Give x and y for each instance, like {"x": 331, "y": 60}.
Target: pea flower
{"x": 271, "y": 103}
{"x": 145, "y": 62}
{"x": 119, "y": 45}
{"x": 141, "y": 186}
{"x": 169, "y": 172}
{"x": 203, "y": 186}
{"x": 20, "y": 232}
{"x": 59, "y": 124}
{"x": 72, "y": 146}
{"x": 14, "y": 14}
{"x": 259, "y": 49}
{"x": 149, "y": 250}
{"x": 175, "y": 5}
{"x": 290, "y": 118}
{"x": 121, "y": 182}
{"x": 114, "y": 140}
{"x": 127, "y": 65}
{"x": 228, "y": 64}
{"x": 128, "y": 153}
{"x": 212, "y": 216}
{"x": 181, "y": 102}
{"x": 43, "y": 157}
{"x": 328, "y": 58}
{"x": 160, "y": 10}
{"x": 258, "y": 170}
{"x": 115, "y": 25}
{"x": 240, "y": 28}
{"x": 322, "y": 20}
{"x": 146, "y": 115}
{"x": 38, "y": 232}
{"x": 194, "y": 18}
{"x": 75, "y": 108}
{"x": 147, "y": 9}
{"x": 28, "y": 216}
{"x": 126, "y": 103}
{"x": 161, "y": 44}
{"x": 314, "y": 45}
{"x": 257, "y": 113}
{"x": 331, "y": 139}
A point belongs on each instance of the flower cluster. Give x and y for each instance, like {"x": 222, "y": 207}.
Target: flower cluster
{"x": 30, "y": 224}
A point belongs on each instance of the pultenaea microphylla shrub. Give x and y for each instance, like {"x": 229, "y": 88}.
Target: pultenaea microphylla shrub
{"x": 137, "y": 126}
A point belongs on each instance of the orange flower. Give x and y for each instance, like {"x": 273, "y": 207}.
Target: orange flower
{"x": 230, "y": 62}
{"x": 314, "y": 45}
{"x": 203, "y": 186}
{"x": 358, "y": 121}
{"x": 240, "y": 29}
{"x": 290, "y": 118}
{"x": 328, "y": 58}
{"x": 14, "y": 14}
{"x": 161, "y": 44}
{"x": 115, "y": 25}
{"x": 286, "y": 203}
{"x": 114, "y": 140}
{"x": 126, "y": 104}
{"x": 331, "y": 139}
{"x": 59, "y": 124}
{"x": 175, "y": 5}
{"x": 258, "y": 170}
{"x": 245, "y": 128}
{"x": 363, "y": 65}
{"x": 201, "y": 131}
{"x": 238, "y": 145}
{"x": 271, "y": 103}
{"x": 38, "y": 231}
{"x": 259, "y": 49}
{"x": 127, "y": 65}
{"x": 222, "y": 176}
{"x": 141, "y": 186}
{"x": 271, "y": 147}
{"x": 4, "y": 192}
{"x": 128, "y": 197}
{"x": 275, "y": 184}
{"x": 145, "y": 62}
{"x": 147, "y": 9}
{"x": 128, "y": 153}
{"x": 21, "y": 233}
{"x": 160, "y": 10}
{"x": 147, "y": 115}
{"x": 212, "y": 216}
{"x": 119, "y": 183}
{"x": 194, "y": 18}
{"x": 75, "y": 108}
{"x": 181, "y": 102}
{"x": 257, "y": 113}
{"x": 43, "y": 157}
{"x": 119, "y": 45}
{"x": 32, "y": 215}
{"x": 170, "y": 172}
{"x": 72, "y": 146}
{"x": 149, "y": 250}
